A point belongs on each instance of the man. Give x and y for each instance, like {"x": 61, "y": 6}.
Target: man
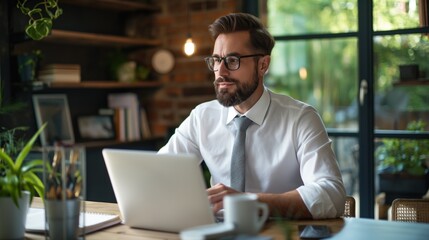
{"x": 289, "y": 162}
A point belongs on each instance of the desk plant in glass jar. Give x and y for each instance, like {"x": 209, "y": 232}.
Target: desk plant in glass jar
{"x": 403, "y": 165}
{"x": 18, "y": 184}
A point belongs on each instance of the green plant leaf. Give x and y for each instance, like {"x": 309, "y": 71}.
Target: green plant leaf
{"x": 34, "y": 11}
{"x": 39, "y": 28}
{"x": 17, "y": 176}
{"x": 12, "y": 187}
{"x": 21, "y": 7}
{"x": 8, "y": 109}
{"x": 41, "y": 15}
{"x": 33, "y": 166}
{"x": 58, "y": 12}
{"x": 51, "y": 3}
{"x": 31, "y": 31}
{"x": 27, "y": 148}
{"x": 34, "y": 183}
{"x": 7, "y": 159}
{"x": 405, "y": 155}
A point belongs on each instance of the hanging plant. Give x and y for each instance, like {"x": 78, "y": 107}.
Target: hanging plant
{"x": 41, "y": 15}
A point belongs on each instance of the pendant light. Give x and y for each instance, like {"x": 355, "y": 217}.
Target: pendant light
{"x": 189, "y": 46}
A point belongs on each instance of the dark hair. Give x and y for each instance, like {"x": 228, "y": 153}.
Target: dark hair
{"x": 260, "y": 38}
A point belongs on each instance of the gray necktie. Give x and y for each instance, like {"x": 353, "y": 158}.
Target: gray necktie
{"x": 238, "y": 161}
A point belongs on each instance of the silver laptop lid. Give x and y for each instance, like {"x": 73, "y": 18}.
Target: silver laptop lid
{"x": 158, "y": 191}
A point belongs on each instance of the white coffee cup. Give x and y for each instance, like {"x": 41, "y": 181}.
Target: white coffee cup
{"x": 245, "y": 212}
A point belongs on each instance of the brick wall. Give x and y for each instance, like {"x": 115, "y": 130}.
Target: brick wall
{"x": 190, "y": 82}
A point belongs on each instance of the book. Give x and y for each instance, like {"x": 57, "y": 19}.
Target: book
{"x": 120, "y": 120}
{"x": 130, "y": 103}
{"x": 93, "y": 221}
{"x": 61, "y": 66}
{"x": 75, "y": 78}
{"x": 60, "y": 73}
{"x": 145, "y": 128}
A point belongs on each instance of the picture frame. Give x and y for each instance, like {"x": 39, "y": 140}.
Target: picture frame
{"x": 53, "y": 109}
{"x": 96, "y": 127}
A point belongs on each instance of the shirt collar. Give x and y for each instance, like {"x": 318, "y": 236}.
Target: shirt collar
{"x": 256, "y": 113}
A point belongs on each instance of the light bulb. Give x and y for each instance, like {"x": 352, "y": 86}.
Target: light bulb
{"x": 189, "y": 47}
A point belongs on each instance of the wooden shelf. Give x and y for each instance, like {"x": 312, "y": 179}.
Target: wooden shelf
{"x": 117, "y": 5}
{"x": 106, "y": 84}
{"x": 72, "y": 37}
{"x": 111, "y": 143}
{"x": 37, "y": 86}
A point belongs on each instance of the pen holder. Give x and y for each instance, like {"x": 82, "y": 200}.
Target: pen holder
{"x": 64, "y": 179}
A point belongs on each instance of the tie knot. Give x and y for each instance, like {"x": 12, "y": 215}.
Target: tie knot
{"x": 242, "y": 123}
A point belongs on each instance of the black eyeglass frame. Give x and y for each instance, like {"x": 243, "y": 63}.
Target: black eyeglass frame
{"x": 224, "y": 59}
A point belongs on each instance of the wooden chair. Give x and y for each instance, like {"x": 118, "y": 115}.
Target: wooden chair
{"x": 410, "y": 210}
{"x": 350, "y": 207}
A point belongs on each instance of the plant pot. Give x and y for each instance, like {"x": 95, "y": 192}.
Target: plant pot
{"x": 63, "y": 218}
{"x": 27, "y": 66}
{"x": 408, "y": 72}
{"x": 14, "y": 218}
{"x": 402, "y": 185}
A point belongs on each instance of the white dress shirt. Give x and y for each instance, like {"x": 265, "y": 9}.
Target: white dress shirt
{"x": 286, "y": 148}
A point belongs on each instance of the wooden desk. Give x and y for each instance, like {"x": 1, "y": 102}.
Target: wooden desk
{"x": 274, "y": 229}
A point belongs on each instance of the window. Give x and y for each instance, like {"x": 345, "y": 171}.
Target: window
{"x": 322, "y": 49}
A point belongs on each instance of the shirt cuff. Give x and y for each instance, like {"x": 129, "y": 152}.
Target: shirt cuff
{"x": 317, "y": 201}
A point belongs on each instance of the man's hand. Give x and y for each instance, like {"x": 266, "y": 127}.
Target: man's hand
{"x": 216, "y": 194}
{"x": 288, "y": 204}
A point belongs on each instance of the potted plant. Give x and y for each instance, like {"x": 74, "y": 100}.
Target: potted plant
{"x": 28, "y": 64}
{"x": 18, "y": 184}
{"x": 41, "y": 14}
{"x": 403, "y": 165}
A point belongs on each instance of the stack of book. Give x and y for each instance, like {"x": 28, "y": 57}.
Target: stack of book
{"x": 60, "y": 73}
{"x": 127, "y": 115}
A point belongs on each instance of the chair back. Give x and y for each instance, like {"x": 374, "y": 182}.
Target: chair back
{"x": 350, "y": 207}
{"x": 410, "y": 210}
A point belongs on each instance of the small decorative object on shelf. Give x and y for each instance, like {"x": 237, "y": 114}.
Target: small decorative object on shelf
{"x": 126, "y": 72}
{"x": 28, "y": 65}
{"x": 163, "y": 61}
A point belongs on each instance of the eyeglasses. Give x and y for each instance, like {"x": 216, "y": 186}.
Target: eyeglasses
{"x": 232, "y": 63}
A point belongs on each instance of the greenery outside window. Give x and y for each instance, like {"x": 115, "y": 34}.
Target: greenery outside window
{"x": 331, "y": 87}
{"x": 321, "y": 58}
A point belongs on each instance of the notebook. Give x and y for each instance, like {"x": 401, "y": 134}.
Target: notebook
{"x": 93, "y": 221}
{"x": 164, "y": 192}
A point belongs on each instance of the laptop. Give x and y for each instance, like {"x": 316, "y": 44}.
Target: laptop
{"x": 163, "y": 192}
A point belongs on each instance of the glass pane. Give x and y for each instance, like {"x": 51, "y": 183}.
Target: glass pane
{"x": 401, "y": 168}
{"x": 322, "y": 73}
{"x": 288, "y": 17}
{"x": 401, "y": 73}
{"x": 395, "y": 14}
{"x": 347, "y": 151}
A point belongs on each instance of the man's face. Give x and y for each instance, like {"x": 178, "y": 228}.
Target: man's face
{"x": 234, "y": 87}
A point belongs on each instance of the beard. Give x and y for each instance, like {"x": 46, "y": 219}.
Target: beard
{"x": 241, "y": 94}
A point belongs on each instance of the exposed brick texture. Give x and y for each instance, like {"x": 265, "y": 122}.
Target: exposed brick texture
{"x": 190, "y": 82}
